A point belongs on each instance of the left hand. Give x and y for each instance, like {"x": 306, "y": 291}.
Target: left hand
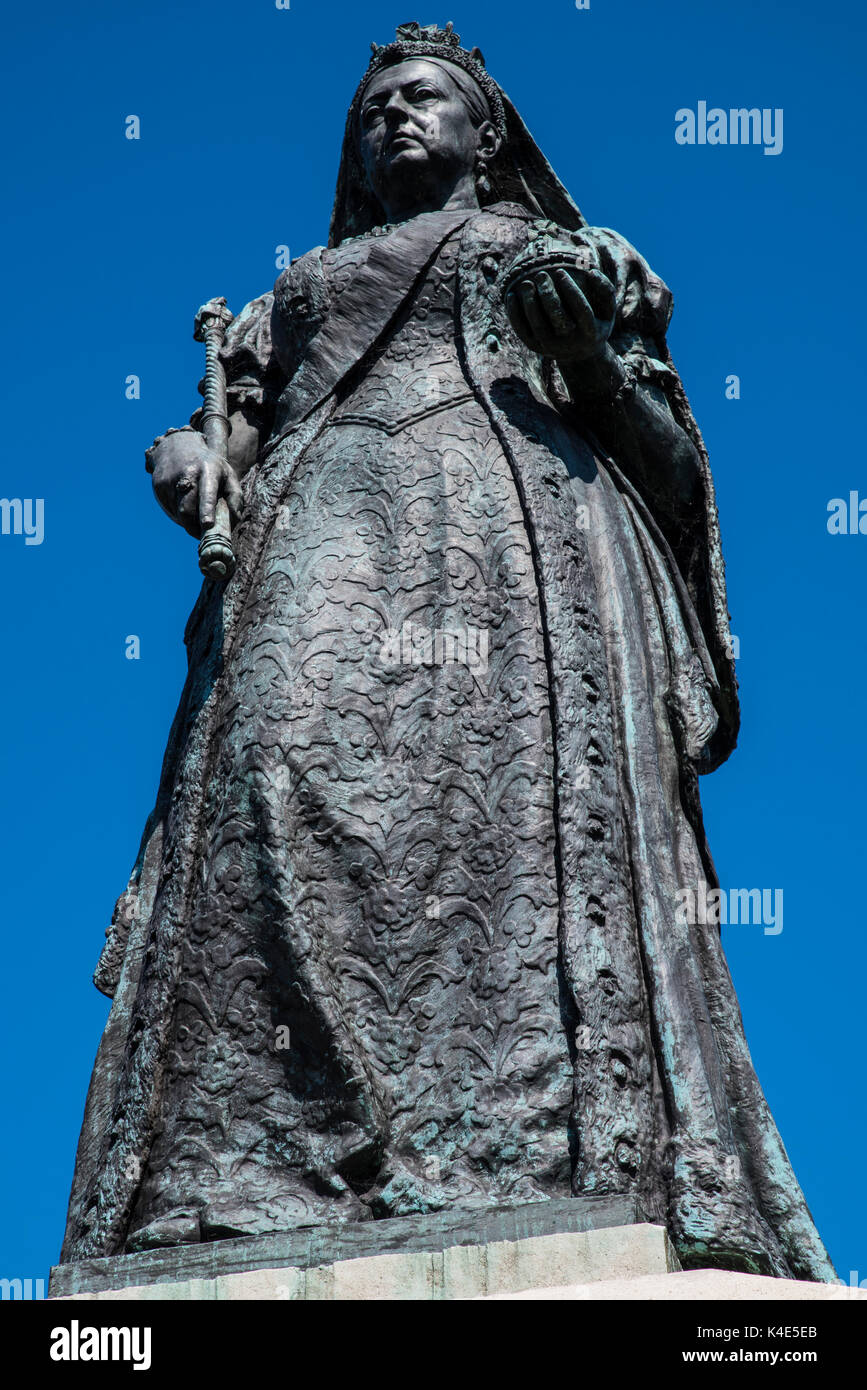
{"x": 564, "y": 314}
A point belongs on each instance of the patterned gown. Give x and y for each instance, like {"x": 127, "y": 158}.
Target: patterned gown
{"x": 371, "y": 1018}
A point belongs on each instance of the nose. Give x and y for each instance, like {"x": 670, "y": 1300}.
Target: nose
{"x": 395, "y": 109}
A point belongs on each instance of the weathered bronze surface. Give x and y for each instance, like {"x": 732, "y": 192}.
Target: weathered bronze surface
{"x": 402, "y": 935}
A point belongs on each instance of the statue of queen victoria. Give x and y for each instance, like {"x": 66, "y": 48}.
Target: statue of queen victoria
{"x": 402, "y": 934}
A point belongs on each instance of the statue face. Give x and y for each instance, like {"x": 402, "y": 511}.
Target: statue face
{"x": 416, "y": 134}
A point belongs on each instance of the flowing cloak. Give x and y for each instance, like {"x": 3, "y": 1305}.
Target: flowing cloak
{"x": 667, "y": 1104}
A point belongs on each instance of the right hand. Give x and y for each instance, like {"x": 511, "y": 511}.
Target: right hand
{"x": 188, "y": 478}
{"x": 564, "y": 314}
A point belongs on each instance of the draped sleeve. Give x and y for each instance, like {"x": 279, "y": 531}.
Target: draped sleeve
{"x": 254, "y": 376}
{"x": 639, "y": 337}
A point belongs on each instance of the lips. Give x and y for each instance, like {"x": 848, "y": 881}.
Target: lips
{"x": 400, "y": 141}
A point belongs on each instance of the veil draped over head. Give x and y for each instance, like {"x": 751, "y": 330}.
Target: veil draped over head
{"x": 519, "y": 174}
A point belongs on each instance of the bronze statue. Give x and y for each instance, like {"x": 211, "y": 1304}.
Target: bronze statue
{"x": 402, "y": 932}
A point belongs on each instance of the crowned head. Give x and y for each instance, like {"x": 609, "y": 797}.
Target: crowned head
{"x": 429, "y": 128}
{"x": 428, "y": 122}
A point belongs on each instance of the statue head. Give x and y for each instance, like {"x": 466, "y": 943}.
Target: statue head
{"x": 425, "y": 137}
{"x": 429, "y": 128}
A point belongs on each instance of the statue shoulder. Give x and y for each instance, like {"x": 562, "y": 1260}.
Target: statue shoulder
{"x": 305, "y": 292}
{"x": 301, "y": 289}
{"x": 499, "y": 230}
{"x": 299, "y": 271}
{"x": 300, "y": 304}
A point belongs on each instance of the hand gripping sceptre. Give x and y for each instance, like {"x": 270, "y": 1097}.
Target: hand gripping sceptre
{"x": 216, "y": 556}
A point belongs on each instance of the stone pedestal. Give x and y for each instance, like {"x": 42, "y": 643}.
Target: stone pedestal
{"x": 580, "y": 1248}
{"x": 453, "y": 1254}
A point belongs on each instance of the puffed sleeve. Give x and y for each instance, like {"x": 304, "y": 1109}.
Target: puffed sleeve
{"x": 644, "y": 307}
{"x": 254, "y": 377}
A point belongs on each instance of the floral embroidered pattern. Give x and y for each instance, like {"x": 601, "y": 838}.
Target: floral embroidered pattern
{"x": 379, "y": 879}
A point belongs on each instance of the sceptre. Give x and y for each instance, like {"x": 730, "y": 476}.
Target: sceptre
{"x": 216, "y": 556}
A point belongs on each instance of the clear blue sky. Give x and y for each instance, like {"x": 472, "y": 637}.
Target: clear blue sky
{"x": 109, "y": 248}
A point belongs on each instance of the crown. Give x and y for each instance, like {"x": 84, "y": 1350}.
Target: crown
{"x": 416, "y": 40}
{"x": 428, "y": 33}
